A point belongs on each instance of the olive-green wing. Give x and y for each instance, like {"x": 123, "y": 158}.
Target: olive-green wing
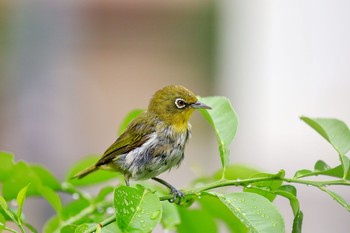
{"x": 134, "y": 136}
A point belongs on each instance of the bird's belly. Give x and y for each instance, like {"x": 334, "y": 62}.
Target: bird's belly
{"x": 157, "y": 165}
{"x": 157, "y": 155}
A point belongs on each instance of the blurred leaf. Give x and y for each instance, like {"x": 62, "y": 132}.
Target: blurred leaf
{"x": 21, "y": 196}
{"x": 6, "y": 165}
{"x": 254, "y": 211}
{"x": 218, "y": 210}
{"x": 2, "y": 222}
{"x": 298, "y": 222}
{"x": 111, "y": 228}
{"x": 224, "y": 121}
{"x": 68, "y": 229}
{"x": 93, "y": 178}
{"x": 52, "y": 197}
{"x": 337, "y": 197}
{"x": 236, "y": 171}
{"x": 52, "y": 225}
{"x": 22, "y": 175}
{"x": 73, "y": 208}
{"x": 131, "y": 116}
{"x": 170, "y": 216}
{"x": 137, "y": 209}
{"x": 195, "y": 221}
{"x": 46, "y": 177}
{"x": 105, "y": 191}
{"x": 4, "y": 210}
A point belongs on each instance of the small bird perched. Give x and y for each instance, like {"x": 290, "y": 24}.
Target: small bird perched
{"x": 154, "y": 141}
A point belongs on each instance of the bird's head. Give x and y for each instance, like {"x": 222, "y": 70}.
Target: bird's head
{"x": 175, "y": 104}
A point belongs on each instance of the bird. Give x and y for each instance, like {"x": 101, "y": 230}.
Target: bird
{"x": 154, "y": 142}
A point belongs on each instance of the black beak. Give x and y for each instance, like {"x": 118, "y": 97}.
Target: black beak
{"x": 200, "y": 105}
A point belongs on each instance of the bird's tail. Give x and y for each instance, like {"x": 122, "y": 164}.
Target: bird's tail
{"x": 85, "y": 172}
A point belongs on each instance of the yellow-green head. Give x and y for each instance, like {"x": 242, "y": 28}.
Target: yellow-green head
{"x": 175, "y": 104}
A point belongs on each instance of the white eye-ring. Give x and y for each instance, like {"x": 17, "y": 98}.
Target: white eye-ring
{"x": 180, "y": 103}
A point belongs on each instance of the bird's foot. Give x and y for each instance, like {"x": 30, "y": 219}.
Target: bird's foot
{"x": 178, "y": 195}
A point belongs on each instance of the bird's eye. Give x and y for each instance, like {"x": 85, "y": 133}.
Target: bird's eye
{"x": 180, "y": 103}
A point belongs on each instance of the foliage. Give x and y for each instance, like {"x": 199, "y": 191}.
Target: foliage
{"x": 141, "y": 209}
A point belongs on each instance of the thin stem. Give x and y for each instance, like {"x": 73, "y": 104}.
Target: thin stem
{"x": 224, "y": 182}
{"x": 104, "y": 223}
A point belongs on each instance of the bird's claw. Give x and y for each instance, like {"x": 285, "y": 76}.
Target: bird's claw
{"x": 178, "y": 195}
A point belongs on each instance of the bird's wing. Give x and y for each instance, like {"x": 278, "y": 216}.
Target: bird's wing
{"x": 134, "y": 136}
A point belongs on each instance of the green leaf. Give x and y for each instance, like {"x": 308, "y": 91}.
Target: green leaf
{"x": 290, "y": 192}
{"x": 93, "y": 178}
{"x": 20, "y": 201}
{"x": 337, "y": 197}
{"x": 2, "y": 222}
{"x": 111, "y": 228}
{"x": 105, "y": 191}
{"x": 52, "y": 197}
{"x": 195, "y": 221}
{"x": 264, "y": 188}
{"x": 170, "y": 216}
{"x": 236, "y": 171}
{"x": 255, "y": 211}
{"x": 22, "y": 175}
{"x": 337, "y": 133}
{"x": 46, "y": 177}
{"x": 218, "y": 210}
{"x": 73, "y": 208}
{"x": 303, "y": 173}
{"x": 224, "y": 121}
{"x": 5, "y": 210}
{"x": 321, "y": 166}
{"x": 6, "y": 165}
{"x": 298, "y": 222}
{"x": 137, "y": 209}
{"x": 131, "y": 116}
{"x": 345, "y": 164}
{"x": 334, "y": 131}
{"x": 52, "y": 225}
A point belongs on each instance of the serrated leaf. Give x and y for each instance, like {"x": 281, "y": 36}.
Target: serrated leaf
{"x": 224, "y": 121}
{"x": 93, "y": 178}
{"x": 131, "y": 116}
{"x": 136, "y": 209}
{"x": 20, "y": 201}
{"x": 254, "y": 211}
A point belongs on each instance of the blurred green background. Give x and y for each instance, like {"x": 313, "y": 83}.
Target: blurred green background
{"x": 70, "y": 71}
